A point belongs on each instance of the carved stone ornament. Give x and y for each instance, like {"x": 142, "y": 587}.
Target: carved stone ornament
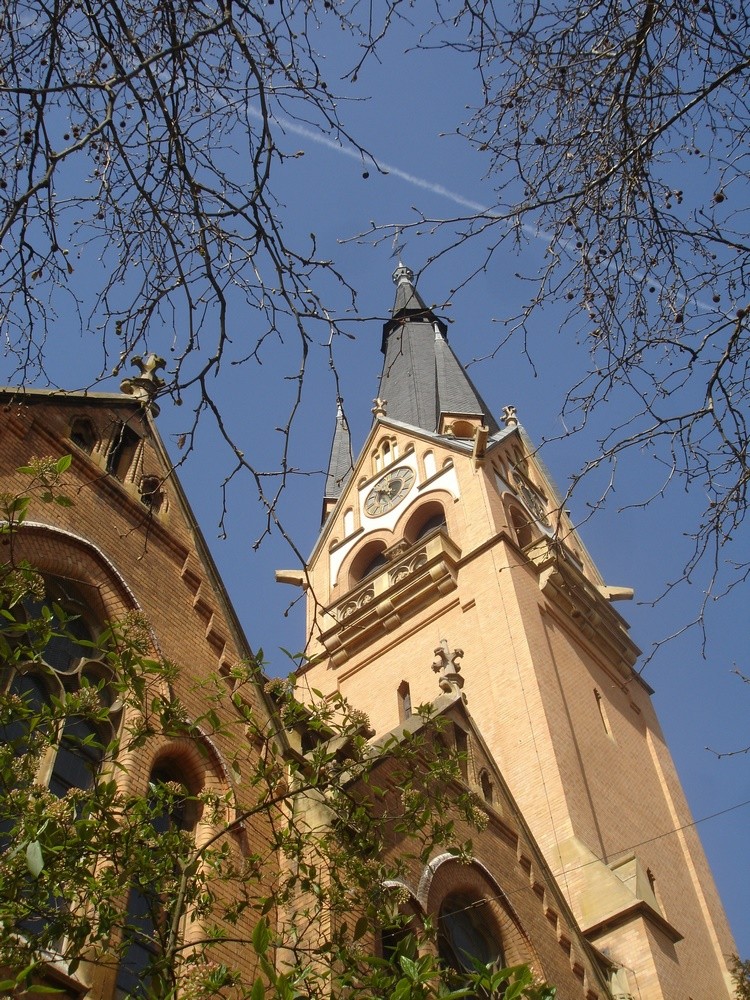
{"x": 145, "y": 387}
{"x": 509, "y": 416}
{"x": 447, "y": 666}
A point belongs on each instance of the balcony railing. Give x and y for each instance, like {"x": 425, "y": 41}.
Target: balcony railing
{"x": 414, "y": 576}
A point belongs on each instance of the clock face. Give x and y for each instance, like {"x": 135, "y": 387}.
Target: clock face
{"x": 389, "y": 491}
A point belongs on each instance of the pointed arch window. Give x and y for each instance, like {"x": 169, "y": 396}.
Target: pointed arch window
{"x": 148, "y": 913}
{"x": 467, "y": 934}
{"x": 44, "y": 727}
{"x": 83, "y": 435}
{"x": 122, "y": 452}
{"x": 521, "y": 526}
{"x": 59, "y": 629}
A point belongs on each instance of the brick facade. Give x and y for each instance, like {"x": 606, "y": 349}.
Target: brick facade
{"x": 128, "y": 555}
{"x": 549, "y": 679}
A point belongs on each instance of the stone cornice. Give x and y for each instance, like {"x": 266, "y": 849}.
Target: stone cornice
{"x": 412, "y": 576}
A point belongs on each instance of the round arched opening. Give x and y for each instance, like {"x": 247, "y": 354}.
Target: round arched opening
{"x": 367, "y": 562}
{"x": 521, "y": 525}
{"x": 427, "y": 518}
{"x": 462, "y": 428}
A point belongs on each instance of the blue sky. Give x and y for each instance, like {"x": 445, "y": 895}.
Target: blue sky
{"x": 406, "y": 104}
{"x": 399, "y": 108}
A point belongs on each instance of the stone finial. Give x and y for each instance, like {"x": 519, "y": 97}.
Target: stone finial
{"x": 509, "y": 416}
{"x": 379, "y": 405}
{"x": 447, "y": 666}
{"x": 144, "y": 387}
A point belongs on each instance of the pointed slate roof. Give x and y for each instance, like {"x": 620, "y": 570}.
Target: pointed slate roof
{"x": 340, "y": 463}
{"x": 422, "y": 377}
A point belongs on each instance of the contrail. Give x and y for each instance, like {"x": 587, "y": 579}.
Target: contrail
{"x": 441, "y": 191}
{"x": 354, "y": 154}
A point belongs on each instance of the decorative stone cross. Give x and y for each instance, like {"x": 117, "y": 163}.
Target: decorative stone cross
{"x": 145, "y": 386}
{"x": 446, "y": 664}
{"x": 378, "y": 409}
{"x": 509, "y": 416}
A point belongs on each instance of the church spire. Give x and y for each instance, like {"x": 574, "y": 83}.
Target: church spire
{"x": 422, "y": 379}
{"x": 340, "y": 463}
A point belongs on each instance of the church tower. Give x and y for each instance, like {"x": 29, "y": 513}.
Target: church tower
{"x": 446, "y": 533}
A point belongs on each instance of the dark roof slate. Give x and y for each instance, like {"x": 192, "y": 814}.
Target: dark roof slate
{"x": 340, "y": 463}
{"x": 456, "y": 391}
{"x": 422, "y": 377}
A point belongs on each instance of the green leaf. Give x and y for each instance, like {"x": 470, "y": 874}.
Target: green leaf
{"x": 360, "y": 928}
{"x": 261, "y": 937}
{"x": 19, "y": 505}
{"x": 63, "y": 463}
{"x": 62, "y": 501}
{"x": 410, "y": 967}
{"x": 258, "y": 991}
{"x": 34, "y": 858}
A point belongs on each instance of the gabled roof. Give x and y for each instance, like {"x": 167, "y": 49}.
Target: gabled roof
{"x": 123, "y": 404}
{"x": 362, "y": 460}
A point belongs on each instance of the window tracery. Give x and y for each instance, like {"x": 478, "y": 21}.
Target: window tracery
{"x": 63, "y": 668}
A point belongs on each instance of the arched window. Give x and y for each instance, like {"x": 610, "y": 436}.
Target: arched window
{"x": 377, "y": 561}
{"x": 83, "y": 435}
{"x": 427, "y": 518}
{"x": 348, "y": 522}
{"x": 475, "y": 921}
{"x": 431, "y": 524}
{"x": 58, "y": 630}
{"x": 400, "y": 933}
{"x": 521, "y": 526}
{"x": 150, "y": 489}
{"x": 54, "y": 737}
{"x": 404, "y": 701}
{"x": 488, "y": 789}
{"x": 367, "y": 562}
{"x": 467, "y": 933}
{"x": 122, "y": 452}
{"x": 173, "y": 813}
